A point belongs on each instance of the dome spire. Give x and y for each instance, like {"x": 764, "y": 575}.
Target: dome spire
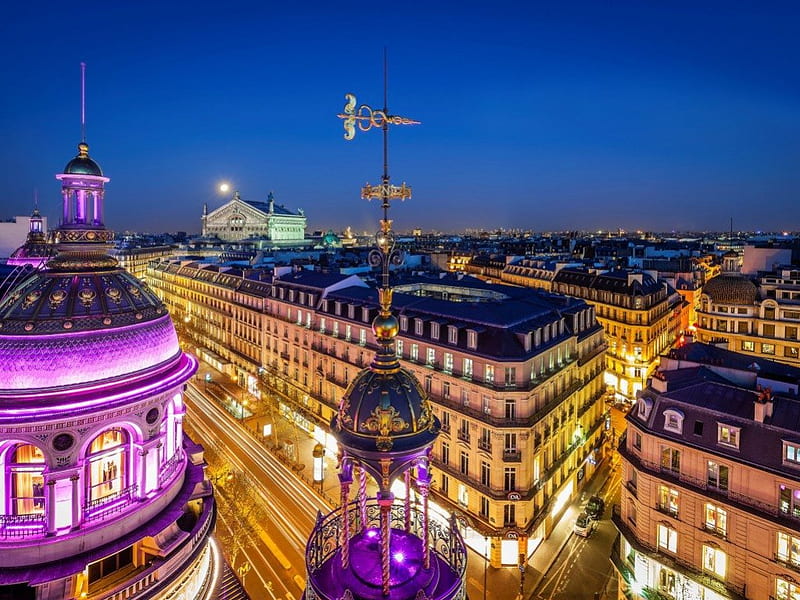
{"x": 374, "y": 548}
{"x": 82, "y": 239}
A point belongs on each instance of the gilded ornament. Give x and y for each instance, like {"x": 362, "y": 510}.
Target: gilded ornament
{"x": 56, "y": 298}
{"x": 115, "y": 294}
{"x": 30, "y": 298}
{"x": 86, "y": 296}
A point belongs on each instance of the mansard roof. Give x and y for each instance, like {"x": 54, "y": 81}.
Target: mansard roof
{"x": 701, "y": 395}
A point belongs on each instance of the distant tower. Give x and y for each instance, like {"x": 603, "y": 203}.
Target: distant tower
{"x": 376, "y": 548}
{"x": 36, "y": 250}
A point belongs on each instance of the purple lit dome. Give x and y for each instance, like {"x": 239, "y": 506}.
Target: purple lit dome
{"x": 82, "y": 164}
{"x": 61, "y": 329}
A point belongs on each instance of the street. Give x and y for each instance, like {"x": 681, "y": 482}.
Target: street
{"x": 292, "y": 504}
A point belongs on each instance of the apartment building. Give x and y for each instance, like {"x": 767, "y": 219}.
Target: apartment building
{"x": 641, "y": 317}
{"x": 758, "y": 316}
{"x": 220, "y": 309}
{"x": 514, "y": 375}
{"x": 710, "y": 505}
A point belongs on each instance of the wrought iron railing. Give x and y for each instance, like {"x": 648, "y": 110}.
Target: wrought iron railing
{"x": 443, "y": 539}
{"x": 100, "y": 508}
{"x": 169, "y": 468}
{"x": 21, "y": 525}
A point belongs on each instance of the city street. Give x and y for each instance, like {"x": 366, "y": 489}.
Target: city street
{"x": 292, "y": 504}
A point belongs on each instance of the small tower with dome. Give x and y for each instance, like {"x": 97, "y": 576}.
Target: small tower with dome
{"x": 376, "y": 548}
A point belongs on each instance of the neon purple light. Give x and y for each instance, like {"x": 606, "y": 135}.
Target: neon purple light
{"x": 37, "y": 361}
{"x": 187, "y": 369}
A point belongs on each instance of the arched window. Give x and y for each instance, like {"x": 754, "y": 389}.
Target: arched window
{"x": 26, "y": 471}
{"x": 107, "y": 464}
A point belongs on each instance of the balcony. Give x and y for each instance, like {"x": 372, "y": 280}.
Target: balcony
{"x": 745, "y": 502}
{"x": 510, "y": 455}
{"x": 21, "y": 525}
{"x": 485, "y": 445}
{"x": 463, "y": 436}
{"x": 631, "y": 488}
{"x": 667, "y": 509}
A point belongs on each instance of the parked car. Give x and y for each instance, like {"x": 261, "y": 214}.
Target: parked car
{"x": 584, "y": 525}
{"x": 595, "y": 507}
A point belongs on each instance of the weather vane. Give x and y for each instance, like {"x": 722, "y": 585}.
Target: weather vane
{"x": 365, "y": 118}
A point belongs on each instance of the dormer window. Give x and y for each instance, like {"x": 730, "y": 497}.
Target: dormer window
{"x": 472, "y": 339}
{"x": 673, "y": 421}
{"x": 434, "y": 331}
{"x": 403, "y": 323}
{"x": 728, "y": 435}
{"x": 351, "y": 311}
{"x": 418, "y": 324}
{"x": 643, "y": 408}
{"x": 365, "y": 314}
{"x": 452, "y": 334}
{"x": 338, "y": 308}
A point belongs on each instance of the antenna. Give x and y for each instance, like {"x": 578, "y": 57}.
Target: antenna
{"x": 36, "y": 198}
{"x": 83, "y": 102}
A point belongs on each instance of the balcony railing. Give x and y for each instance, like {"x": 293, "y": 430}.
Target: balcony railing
{"x": 744, "y": 501}
{"x": 21, "y": 525}
{"x": 463, "y": 436}
{"x": 100, "y": 508}
{"x": 485, "y": 445}
{"x": 512, "y": 455}
{"x": 667, "y": 509}
{"x": 725, "y": 588}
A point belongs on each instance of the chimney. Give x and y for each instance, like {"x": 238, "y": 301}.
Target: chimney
{"x": 763, "y": 406}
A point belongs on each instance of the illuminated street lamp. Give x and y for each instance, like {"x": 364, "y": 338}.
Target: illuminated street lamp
{"x": 319, "y": 464}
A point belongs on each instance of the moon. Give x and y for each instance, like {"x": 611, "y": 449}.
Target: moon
{"x": 224, "y": 187}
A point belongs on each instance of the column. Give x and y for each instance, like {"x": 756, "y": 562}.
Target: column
{"x": 76, "y": 501}
{"x": 141, "y": 473}
{"x": 50, "y": 506}
{"x": 385, "y": 501}
{"x": 65, "y": 206}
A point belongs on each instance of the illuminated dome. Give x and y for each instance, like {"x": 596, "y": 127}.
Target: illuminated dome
{"x": 82, "y": 164}
{"x": 731, "y": 289}
{"x": 61, "y": 329}
{"x": 104, "y": 497}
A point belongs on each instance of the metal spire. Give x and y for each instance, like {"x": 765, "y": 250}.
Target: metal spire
{"x": 365, "y": 117}
{"x": 83, "y": 102}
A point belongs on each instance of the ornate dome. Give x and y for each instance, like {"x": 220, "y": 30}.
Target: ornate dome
{"x": 61, "y": 329}
{"x": 386, "y": 411}
{"x": 731, "y": 289}
{"x": 82, "y": 164}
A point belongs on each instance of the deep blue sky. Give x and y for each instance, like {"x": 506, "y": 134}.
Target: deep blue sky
{"x": 568, "y": 115}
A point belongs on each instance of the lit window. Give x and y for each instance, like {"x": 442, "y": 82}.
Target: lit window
{"x": 667, "y": 538}
{"x": 714, "y": 561}
{"x": 668, "y": 500}
{"x": 467, "y": 368}
{"x": 717, "y": 476}
{"x": 716, "y": 520}
{"x": 399, "y": 348}
{"x": 767, "y": 348}
{"x": 489, "y": 374}
{"x": 791, "y": 452}
{"x": 430, "y": 357}
{"x": 435, "y": 331}
{"x": 414, "y": 352}
{"x": 728, "y": 435}
{"x": 362, "y": 337}
{"x": 786, "y": 590}
{"x": 748, "y": 346}
{"x": 789, "y": 500}
{"x": 671, "y": 460}
{"x": 463, "y": 495}
{"x": 788, "y": 549}
{"x": 418, "y": 324}
{"x": 448, "y": 362}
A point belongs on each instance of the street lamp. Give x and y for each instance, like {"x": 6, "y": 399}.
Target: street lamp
{"x": 319, "y": 464}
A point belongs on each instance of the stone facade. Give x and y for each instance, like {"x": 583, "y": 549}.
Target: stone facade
{"x": 239, "y": 220}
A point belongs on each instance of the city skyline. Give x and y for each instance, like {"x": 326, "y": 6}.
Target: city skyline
{"x": 533, "y": 117}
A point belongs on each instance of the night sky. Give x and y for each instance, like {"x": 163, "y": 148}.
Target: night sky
{"x": 546, "y": 116}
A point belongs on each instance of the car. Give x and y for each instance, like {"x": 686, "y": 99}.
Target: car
{"x": 595, "y": 507}
{"x": 584, "y": 525}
